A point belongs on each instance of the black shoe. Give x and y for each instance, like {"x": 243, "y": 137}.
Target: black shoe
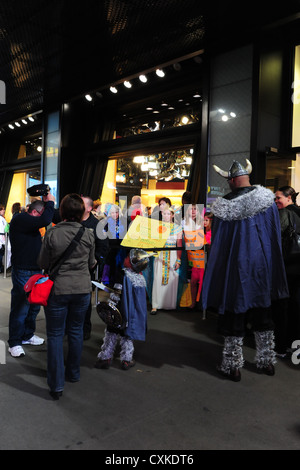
{"x": 153, "y": 312}
{"x": 268, "y": 370}
{"x": 125, "y": 365}
{"x": 103, "y": 364}
{"x": 55, "y": 395}
{"x": 234, "y": 374}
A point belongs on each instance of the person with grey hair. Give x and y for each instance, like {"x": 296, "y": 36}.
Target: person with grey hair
{"x": 245, "y": 271}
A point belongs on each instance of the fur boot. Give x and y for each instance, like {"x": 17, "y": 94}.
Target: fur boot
{"x": 109, "y": 345}
{"x": 265, "y": 344}
{"x": 127, "y": 349}
{"x": 232, "y": 354}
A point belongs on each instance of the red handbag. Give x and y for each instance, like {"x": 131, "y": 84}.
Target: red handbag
{"x": 38, "y": 288}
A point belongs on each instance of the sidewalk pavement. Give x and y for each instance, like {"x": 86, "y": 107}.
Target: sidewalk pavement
{"x": 172, "y": 400}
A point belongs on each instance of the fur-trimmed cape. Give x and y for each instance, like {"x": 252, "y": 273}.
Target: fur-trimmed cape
{"x": 244, "y": 206}
{"x": 245, "y": 268}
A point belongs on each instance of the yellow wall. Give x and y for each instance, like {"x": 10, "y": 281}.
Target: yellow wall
{"x": 109, "y": 186}
{"x": 17, "y": 193}
{"x": 296, "y": 101}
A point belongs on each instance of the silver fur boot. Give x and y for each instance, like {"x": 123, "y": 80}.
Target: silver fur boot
{"x": 108, "y": 347}
{"x": 265, "y": 354}
{"x": 126, "y": 353}
{"x": 232, "y": 358}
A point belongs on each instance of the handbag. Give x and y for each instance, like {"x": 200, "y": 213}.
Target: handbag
{"x": 39, "y": 286}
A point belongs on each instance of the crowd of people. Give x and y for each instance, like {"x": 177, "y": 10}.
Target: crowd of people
{"x": 233, "y": 258}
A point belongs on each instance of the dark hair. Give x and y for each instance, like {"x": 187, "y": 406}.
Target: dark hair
{"x": 16, "y": 208}
{"x": 72, "y": 208}
{"x": 166, "y": 199}
{"x": 186, "y": 198}
{"x": 289, "y": 191}
{"x": 2, "y": 207}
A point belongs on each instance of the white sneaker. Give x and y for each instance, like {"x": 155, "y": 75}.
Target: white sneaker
{"x": 34, "y": 340}
{"x": 16, "y": 351}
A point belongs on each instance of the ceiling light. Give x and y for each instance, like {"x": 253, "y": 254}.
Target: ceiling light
{"x": 39, "y": 148}
{"x": 222, "y": 111}
{"x": 139, "y": 159}
{"x": 196, "y": 95}
{"x": 156, "y": 112}
{"x": 160, "y": 73}
{"x": 17, "y": 124}
{"x": 164, "y": 104}
{"x": 113, "y": 89}
{"x": 225, "y": 118}
{"x": 184, "y": 120}
{"x": 88, "y": 98}
{"x": 24, "y": 121}
{"x": 127, "y": 84}
{"x": 10, "y": 126}
{"x": 232, "y": 114}
{"x": 31, "y": 118}
{"x": 149, "y": 109}
{"x": 171, "y": 107}
{"x": 143, "y": 78}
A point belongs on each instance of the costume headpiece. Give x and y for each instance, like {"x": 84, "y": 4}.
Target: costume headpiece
{"x": 139, "y": 259}
{"x": 235, "y": 170}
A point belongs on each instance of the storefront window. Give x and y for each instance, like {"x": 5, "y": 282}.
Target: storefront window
{"x": 151, "y": 176}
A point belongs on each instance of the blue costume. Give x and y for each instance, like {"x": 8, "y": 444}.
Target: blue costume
{"x": 245, "y": 271}
{"x": 131, "y": 302}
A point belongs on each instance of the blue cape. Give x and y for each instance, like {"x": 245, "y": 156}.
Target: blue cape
{"x": 245, "y": 268}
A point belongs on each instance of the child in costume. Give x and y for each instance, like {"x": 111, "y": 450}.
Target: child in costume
{"x": 125, "y": 314}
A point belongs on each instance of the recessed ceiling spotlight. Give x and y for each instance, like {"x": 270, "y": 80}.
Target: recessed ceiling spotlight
{"x": 156, "y": 112}
{"x": 171, "y": 107}
{"x": 149, "y": 109}
{"x": 196, "y": 95}
{"x": 24, "y": 121}
{"x": 10, "y": 126}
{"x": 17, "y": 124}
{"x": 127, "y": 84}
{"x": 88, "y": 98}
{"x": 113, "y": 89}
{"x": 164, "y": 104}
{"x": 143, "y": 78}
{"x": 160, "y": 73}
{"x": 31, "y": 118}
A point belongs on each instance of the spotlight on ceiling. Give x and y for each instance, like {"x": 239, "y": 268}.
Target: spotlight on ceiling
{"x": 31, "y": 118}
{"x": 88, "y": 98}
{"x": 143, "y": 78}
{"x": 17, "y": 124}
{"x": 127, "y": 84}
{"x": 10, "y": 126}
{"x": 160, "y": 73}
{"x": 24, "y": 121}
{"x": 113, "y": 89}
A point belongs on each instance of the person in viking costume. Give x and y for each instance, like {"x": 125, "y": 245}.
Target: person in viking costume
{"x": 245, "y": 270}
{"x": 125, "y": 314}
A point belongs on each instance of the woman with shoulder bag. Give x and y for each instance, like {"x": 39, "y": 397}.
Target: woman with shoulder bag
{"x": 287, "y": 312}
{"x": 71, "y": 292}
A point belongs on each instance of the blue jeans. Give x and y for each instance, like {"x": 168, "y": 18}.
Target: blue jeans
{"x": 64, "y": 316}
{"x": 22, "y": 315}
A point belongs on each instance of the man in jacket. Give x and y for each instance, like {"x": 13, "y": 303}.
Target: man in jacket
{"x": 245, "y": 271}
{"x": 26, "y": 243}
{"x": 101, "y": 250}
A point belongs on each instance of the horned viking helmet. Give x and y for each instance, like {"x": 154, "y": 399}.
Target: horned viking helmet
{"x": 235, "y": 170}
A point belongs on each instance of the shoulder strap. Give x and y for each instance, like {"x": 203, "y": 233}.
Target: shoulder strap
{"x": 67, "y": 253}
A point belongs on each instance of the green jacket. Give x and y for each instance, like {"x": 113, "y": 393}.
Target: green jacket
{"x": 74, "y": 275}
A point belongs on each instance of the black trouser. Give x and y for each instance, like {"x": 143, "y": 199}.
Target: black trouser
{"x": 234, "y": 324}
